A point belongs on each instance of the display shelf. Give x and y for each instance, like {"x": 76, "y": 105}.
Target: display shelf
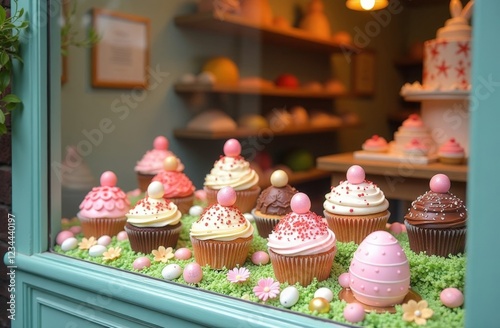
{"x": 269, "y": 91}
{"x": 408, "y": 62}
{"x": 246, "y": 132}
{"x": 306, "y": 176}
{"x": 238, "y": 26}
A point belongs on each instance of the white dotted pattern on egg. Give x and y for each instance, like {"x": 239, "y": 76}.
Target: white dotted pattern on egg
{"x": 97, "y": 250}
{"x": 171, "y": 272}
{"x": 69, "y": 244}
{"x": 379, "y": 271}
{"x": 289, "y": 296}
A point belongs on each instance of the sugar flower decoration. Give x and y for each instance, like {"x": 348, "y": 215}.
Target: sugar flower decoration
{"x": 238, "y": 275}
{"x": 163, "y": 254}
{"x": 87, "y": 243}
{"x": 112, "y": 253}
{"x": 267, "y": 288}
{"x": 418, "y": 312}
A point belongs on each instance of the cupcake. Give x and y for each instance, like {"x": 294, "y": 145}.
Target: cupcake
{"x": 152, "y": 162}
{"x": 356, "y": 207}
{"x": 102, "y": 211}
{"x": 222, "y": 236}
{"x": 375, "y": 144}
{"x": 416, "y": 148}
{"x": 234, "y": 171}
{"x": 436, "y": 220}
{"x": 451, "y": 152}
{"x": 177, "y": 186}
{"x": 153, "y": 222}
{"x": 301, "y": 246}
{"x": 273, "y": 203}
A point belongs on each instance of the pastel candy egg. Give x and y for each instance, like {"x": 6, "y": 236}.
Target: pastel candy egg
{"x": 196, "y": 210}
{"x": 344, "y": 279}
{"x": 379, "y": 271}
{"x": 172, "y": 271}
{"x": 319, "y": 304}
{"x": 122, "y": 235}
{"x": 260, "y": 258}
{"x": 63, "y": 235}
{"x": 355, "y": 174}
{"x": 452, "y": 297}
{"x": 396, "y": 228}
{"x": 75, "y": 229}
{"x": 183, "y": 254}
{"x": 104, "y": 240}
{"x": 289, "y": 296}
{"x": 69, "y": 244}
{"x": 440, "y": 183}
{"x": 193, "y": 273}
{"x": 232, "y": 148}
{"x": 249, "y": 217}
{"x": 141, "y": 263}
{"x": 300, "y": 203}
{"x": 354, "y": 312}
{"x": 97, "y": 250}
{"x": 325, "y": 293}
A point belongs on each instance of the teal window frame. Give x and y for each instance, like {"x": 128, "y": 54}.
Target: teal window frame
{"x": 36, "y": 221}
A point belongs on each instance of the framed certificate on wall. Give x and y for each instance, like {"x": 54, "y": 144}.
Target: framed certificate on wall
{"x": 121, "y": 57}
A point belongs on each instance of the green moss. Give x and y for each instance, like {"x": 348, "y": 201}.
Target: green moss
{"x": 429, "y": 276}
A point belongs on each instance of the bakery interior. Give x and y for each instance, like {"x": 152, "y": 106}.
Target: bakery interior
{"x": 112, "y": 126}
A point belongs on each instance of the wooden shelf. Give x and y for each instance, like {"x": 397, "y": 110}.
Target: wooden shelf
{"x": 408, "y": 62}
{"x": 245, "y": 132}
{"x": 238, "y": 26}
{"x": 268, "y": 92}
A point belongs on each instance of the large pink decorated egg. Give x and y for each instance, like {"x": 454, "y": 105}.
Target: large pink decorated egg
{"x": 379, "y": 271}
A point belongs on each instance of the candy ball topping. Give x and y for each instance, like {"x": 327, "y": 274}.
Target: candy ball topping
{"x": 226, "y": 196}
{"x": 355, "y": 174}
{"x": 232, "y": 148}
{"x": 440, "y": 183}
{"x": 300, "y": 203}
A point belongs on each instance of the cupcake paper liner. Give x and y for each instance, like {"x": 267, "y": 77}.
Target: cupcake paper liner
{"x": 245, "y": 199}
{"x": 144, "y": 180}
{"x": 355, "y": 228}
{"x": 219, "y": 254}
{"x": 265, "y": 225}
{"x": 144, "y": 240}
{"x": 97, "y": 227}
{"x": 440, "y": 242}
{"x": 183, "y": 203}
{"x": 302, "y": 268}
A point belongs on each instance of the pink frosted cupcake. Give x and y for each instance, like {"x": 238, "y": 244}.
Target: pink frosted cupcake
{"x": 301, "y": 246}
{"x": 153, "y": 222}
{"x": 416, "y": 148}
{"x": 234, "y": 171}
{"x": 178, "y": 188}
{"x": 222, "y": 236}
{"x": 102, "y": 212}
{"x": 375, "y": 144}
{"x": 451, "y": 152}
{"x": 356, "y": 207}
{"x": 152, "y": 162}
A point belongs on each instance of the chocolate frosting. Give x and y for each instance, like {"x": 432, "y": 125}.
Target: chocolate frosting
{"x": 275, "y": 200}
{"x": 437, "y": 211}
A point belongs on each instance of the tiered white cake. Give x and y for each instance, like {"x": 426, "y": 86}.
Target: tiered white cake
{"x": 412, "y": 128}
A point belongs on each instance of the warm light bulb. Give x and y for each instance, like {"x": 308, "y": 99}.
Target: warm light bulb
{"x": 367, "y": 4}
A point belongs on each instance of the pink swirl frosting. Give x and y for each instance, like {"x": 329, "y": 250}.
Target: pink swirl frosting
{"x": 413, "y": 121}
{"x": 175, "y": 184}
{"x": 375, "y": 143}
{"x": 451, "y": 147}
{"x": 106, "y": 201}
{"x": 152, "y": 161}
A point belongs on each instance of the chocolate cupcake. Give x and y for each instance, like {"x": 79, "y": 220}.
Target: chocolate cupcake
{"x": 273, "y": 203}
{"x": 436, "y": 220}
{"x": 153, "y": 222}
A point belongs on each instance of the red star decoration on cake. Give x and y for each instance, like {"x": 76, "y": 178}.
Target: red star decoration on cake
{"x": 434, "y": 52}
{"x": 443, "y": 69}
{"x": 460, "y": 71}
{"x": 463, "y": 47}
{"x": 444, "y": 43}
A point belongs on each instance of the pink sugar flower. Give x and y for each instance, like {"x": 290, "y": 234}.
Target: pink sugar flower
{"x": 267, "y": 288}
{"x": 238, "y": 275}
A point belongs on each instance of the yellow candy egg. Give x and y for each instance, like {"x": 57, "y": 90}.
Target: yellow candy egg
{"x": 319, "y": 304}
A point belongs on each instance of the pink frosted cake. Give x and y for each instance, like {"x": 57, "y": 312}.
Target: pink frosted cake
{"x": 301, "y": 246}
{"x": 177, "y": 186}
{"x": 379, "y": 271}
{"x": 412, "y": 128}
{"x": 376, "y": 144}
{"x": 416, "y": 148}
{"x": 451, "y": 152}
{"x": 102, "y": 212}
{"x": 234, "y": 171}
{"x": 152, "y": 162}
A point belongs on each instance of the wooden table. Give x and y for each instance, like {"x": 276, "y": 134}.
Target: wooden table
{"x": 398, "y": 180}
